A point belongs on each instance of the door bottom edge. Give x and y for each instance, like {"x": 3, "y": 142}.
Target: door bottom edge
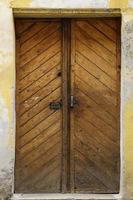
{"x": 58, "y": 196}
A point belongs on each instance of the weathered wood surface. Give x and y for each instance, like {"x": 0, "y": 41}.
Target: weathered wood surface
{"x": 76, "y": 149}
{"x": 39, "y": 129}
{"x": 95, "y": 84}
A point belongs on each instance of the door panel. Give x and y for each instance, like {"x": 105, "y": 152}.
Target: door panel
{"x": 39, "y": 129}
{"x": 95, "y": 118}
{"x": 76, "y": 148}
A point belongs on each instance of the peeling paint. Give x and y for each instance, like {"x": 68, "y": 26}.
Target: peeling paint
{"x": 129, "y": 147}
{"x": 127, "y": 100}
{"x": 7, "y": 72}
{"x": 6, "y": 175}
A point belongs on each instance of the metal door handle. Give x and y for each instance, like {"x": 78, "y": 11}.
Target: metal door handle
{"x": 73, "y": 101}
{"x": 55, "y": 105}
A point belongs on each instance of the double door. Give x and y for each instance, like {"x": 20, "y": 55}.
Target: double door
{"x": 67, "y": 106}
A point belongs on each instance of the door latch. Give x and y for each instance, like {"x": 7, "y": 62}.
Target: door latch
{"x": 55, "y": 105}
{"x": 73, "y": 101}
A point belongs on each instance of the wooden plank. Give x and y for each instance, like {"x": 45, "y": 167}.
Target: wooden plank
{"x": 111, "y": 23}
{"x": 40, "y": 95}
{"x": 40, "y": 71}
{"x": 95, "y": 46}
{"x": 40, "y": 60}
{"x": 44, "y": 135}
{"x": 37, "y": 36}
{"x": 95, "y": 71}
{"x": 22, "y": 26}
{"x": 38, "y": 129}
{"x": 104, "y": 28}
{"x": 40, "y": 48}
{"x": 98, "y": 36}
{"x": 91, "y": 55}
{"x": 110, "y": 95}
{"x": 31, "y": 31}
{"x": 66, "y": 99}
{"x": 40, "y": 106}
{"x": 89, "y": 90}
{"x": 38, "y": 85}
{"x": 38, "y": 163}
{"x": 96, "y": 109}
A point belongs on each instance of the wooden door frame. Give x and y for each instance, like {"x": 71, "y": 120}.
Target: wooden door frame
{"x": 68, "y": 13}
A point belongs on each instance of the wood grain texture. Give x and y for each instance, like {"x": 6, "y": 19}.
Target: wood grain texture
{"x": 95, "y": 120}
{"x": 75, "y": 149}
{"x": 39, "y": 129}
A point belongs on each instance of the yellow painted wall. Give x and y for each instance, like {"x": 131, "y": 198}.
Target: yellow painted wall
{"x": 118, "y": 3}
{"x": 7, "y": 75}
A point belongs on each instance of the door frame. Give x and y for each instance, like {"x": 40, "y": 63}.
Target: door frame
{"x": 76, "y": 13}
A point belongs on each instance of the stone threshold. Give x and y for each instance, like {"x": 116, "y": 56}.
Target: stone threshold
{"x": 66, "y": 196}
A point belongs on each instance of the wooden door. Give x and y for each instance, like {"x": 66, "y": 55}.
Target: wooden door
{"x": 95, "y": 119}
{"x": 75, "y": 148}
{"x": 39, "y": 128}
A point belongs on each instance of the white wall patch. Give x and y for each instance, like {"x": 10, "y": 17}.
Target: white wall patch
{"x": 70, "y": 3}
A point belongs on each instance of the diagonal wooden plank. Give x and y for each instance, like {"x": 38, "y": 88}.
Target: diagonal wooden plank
{"x": 98, "y": 36}
{"x": 51, "y": 181}
{"x": 44, "y": 124}
{"x": 35, "y": 28}
{"x": 56, "y": 94}
{"x": 101, "y": 164}
{"x": 42, "y": 82}
{"x": 111, "y": 23}
{"x": 22, "y": 26}
{"x": 35, "y": 121}
{"x": 96, "y": 171}
{"x": 95, "y": 71}
{"x": 40, "y": 71}
{"x": 47, "y": 175}
{"x": 104, "y": 28}
{"x": 39, "y": 61}
{"x": 39, "y": 35}
{"x": 96, "y": 96}
{"x": 94, "y": 177}
{"x": 39, "y": 96}
{"x": 40, "y": 48}
{"x": 29, "y": 158}
{"x": 43, "y": 136}
{"x": 94, "y": 138}
{"x": 31, "y": 180}
{"x": 95, "y": 46}
{"x": 37, "y": 165}
{"x": 110, "y": 95}
{"x": 99, "y": 123}
{"x": 89, "y": 104}
{"x": 97, "y": 60}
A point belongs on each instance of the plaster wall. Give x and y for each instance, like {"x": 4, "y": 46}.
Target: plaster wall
{"x": 7, "y": 85}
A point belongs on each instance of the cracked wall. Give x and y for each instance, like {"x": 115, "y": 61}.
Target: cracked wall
{"x": 7, "y": 84}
